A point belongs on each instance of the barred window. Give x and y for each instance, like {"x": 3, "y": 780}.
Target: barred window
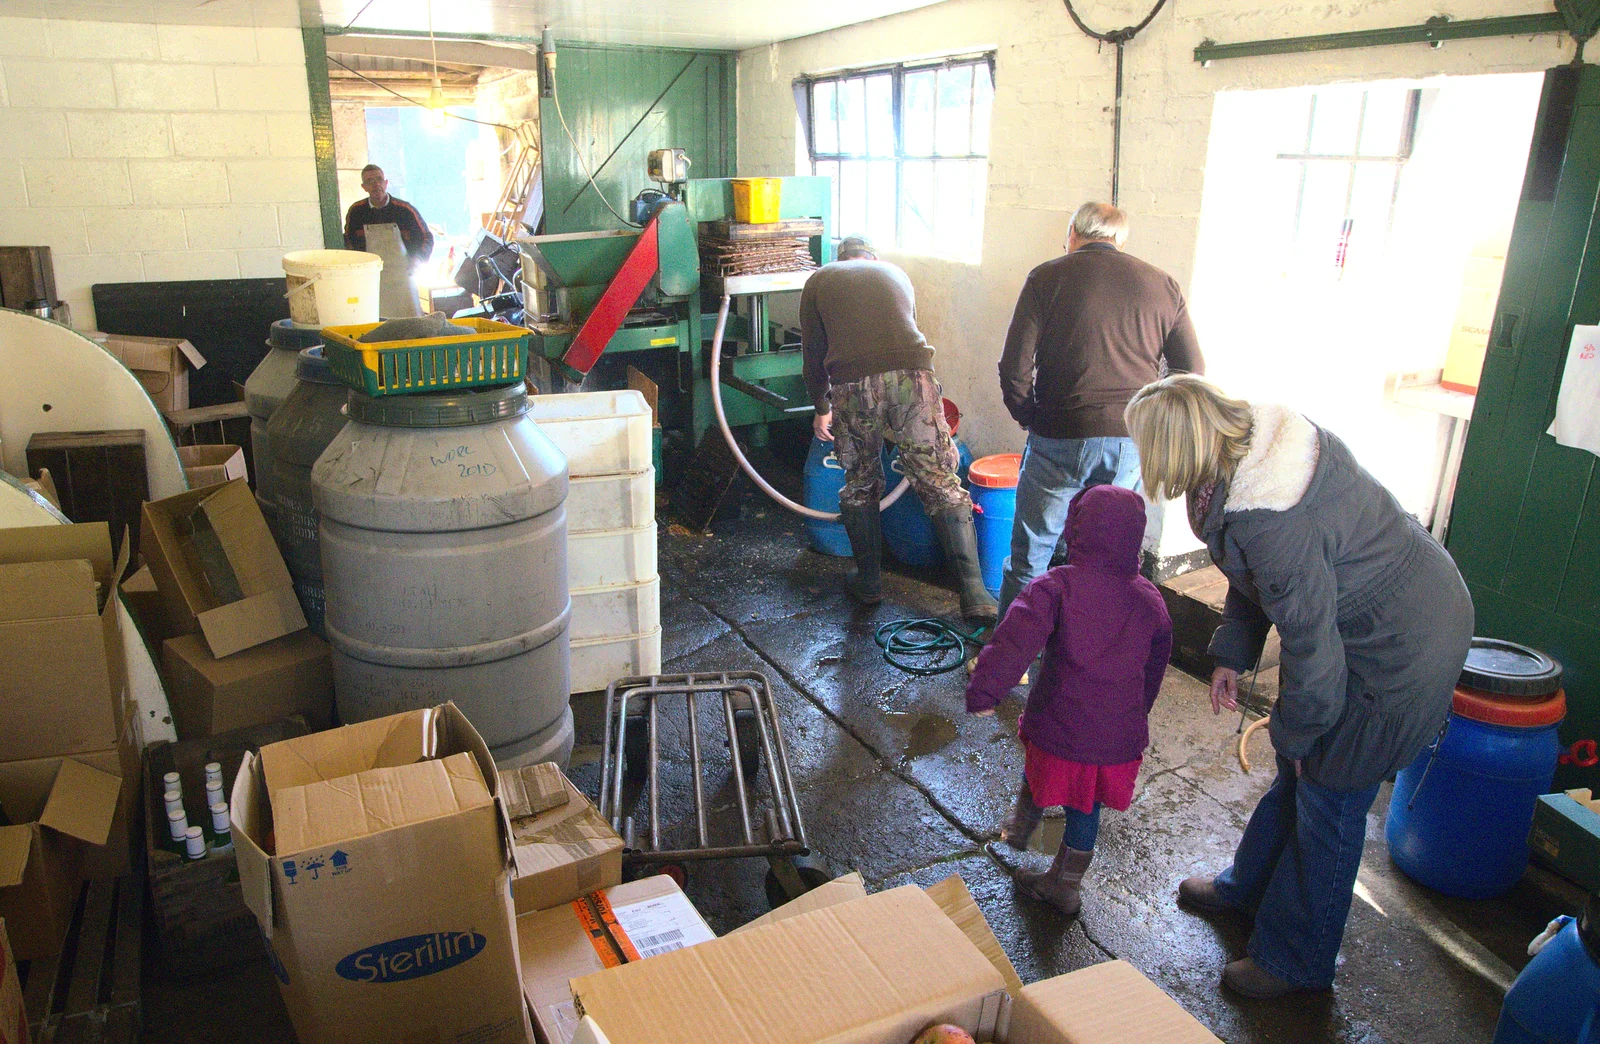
{"x": 907, "y": 147}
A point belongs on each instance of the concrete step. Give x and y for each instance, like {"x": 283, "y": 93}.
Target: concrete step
{"x": 1194, "y": 601}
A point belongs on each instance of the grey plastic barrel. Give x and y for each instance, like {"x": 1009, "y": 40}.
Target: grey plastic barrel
{"x": 299, "y": 431}
{"x": 264, "y": 391}
{"x": 443, "y": 529}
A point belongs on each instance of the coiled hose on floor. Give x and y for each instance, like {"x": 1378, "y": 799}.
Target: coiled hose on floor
{"x": 926, "y": 646}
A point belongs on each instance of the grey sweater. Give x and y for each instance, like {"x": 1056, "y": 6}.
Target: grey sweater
{"x": 858, "y": 318}
{"x": 1373, "y": 617}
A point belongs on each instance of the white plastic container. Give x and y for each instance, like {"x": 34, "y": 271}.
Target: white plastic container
{"x": 602, "y": 433}
{"x": 622, "y": 609}
{"x": 332, "y": 287}
{"x": 608, "y": 557}
{"x": 598, "y": 662}
{"x": 601, "y": 502}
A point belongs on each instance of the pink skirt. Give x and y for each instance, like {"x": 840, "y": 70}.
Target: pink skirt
{"x": 1057, "y": 781}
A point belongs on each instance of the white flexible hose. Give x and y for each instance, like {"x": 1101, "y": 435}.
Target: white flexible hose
{"x": 727, "y": 433}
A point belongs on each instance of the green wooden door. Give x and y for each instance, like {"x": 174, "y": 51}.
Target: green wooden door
{"x": 639, "y": 99}
{"x": 1525, "y": 530}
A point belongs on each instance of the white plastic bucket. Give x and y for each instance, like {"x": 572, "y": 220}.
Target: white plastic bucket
{"x": 332, "y": 287}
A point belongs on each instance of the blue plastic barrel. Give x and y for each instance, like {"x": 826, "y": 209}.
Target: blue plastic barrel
{"x": 1556, "y": 999}
{"x": 821, "y": 483}
{"x": 1460, "y": 814}
{"x": 907, "y": 533}
{"x": 994, "y": 504}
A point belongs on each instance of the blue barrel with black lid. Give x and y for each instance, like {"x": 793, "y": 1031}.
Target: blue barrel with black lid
{"x": 1460, "y": 813}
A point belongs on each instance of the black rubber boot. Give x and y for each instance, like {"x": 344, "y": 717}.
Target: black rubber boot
{"x": 1062, "y": 885}
{"x": 959, "y": 541}
{"x": 865, "y": 585}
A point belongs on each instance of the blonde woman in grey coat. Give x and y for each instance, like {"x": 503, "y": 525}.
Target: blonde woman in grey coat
{"x": 1374, "y": 621}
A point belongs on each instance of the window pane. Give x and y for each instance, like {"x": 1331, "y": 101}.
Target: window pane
{"x": 918, "y": 117}
{"x": 982, "y": 100}
{"x": 953, "y": 126}
{"x": 953, "y": 223}
{"x": 830, "y": 169}
{"x": 1370, "y": 199}
{"x": 824, "y": 128}
{"x": 1322, "y": 204}
{"x": 880, "y": 201}
{"x": 916, "y": 206}
{"x": 880, "y": 115}
{"x": 1385, "y": 119}
{"x": 1296, "y": 128}
{"x": 852, "y": 117}
{"x": 1333, "y": 125}
{"x": 852, "y": 197}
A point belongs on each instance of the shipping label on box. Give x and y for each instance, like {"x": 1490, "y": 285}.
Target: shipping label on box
{"x": 562, "y": 846}
{"x": 385, "y": 898}
{"x": 62, "y": 678}
{"x": 625, "y": 923}
{"x": 219, "y": 569}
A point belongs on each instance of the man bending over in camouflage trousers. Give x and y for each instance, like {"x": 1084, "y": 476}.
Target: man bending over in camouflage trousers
{"x": 865, "y": 358}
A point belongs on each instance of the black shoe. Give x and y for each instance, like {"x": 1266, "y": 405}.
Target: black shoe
{"x": 865, "y": 585}
{"x": 1249, "y": 979}
{"x": 1200, "y": 893}
{"x": 959, "y": 541}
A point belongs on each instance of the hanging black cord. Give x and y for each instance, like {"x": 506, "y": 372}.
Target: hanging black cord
{"x": 1118, "y": 38}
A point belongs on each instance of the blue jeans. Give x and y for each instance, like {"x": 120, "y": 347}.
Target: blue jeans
{"x": 1080, "y": 828}
{"x": 1053, "y": 471}
{"x": 1296, "y": 868}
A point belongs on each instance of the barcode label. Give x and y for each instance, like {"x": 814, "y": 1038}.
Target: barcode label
{"x": 666, "y": 942}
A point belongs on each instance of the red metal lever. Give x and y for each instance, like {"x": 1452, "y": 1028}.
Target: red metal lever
{"x": 618, "y": 300}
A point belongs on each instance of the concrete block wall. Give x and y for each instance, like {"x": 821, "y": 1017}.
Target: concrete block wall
{"x": 1050, "y": 146}
{"x": 139, "y": 151}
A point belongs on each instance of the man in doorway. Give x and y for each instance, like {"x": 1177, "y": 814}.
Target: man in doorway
{"x": 865, "y": 358}
{"x": 1090, "y": 329}
{"x": 380, "y": 208}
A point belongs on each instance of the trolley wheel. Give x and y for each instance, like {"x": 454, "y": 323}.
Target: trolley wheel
{"x": 636, "y": 750}
{"x": 749, "y": 739}
{"x": 810, "y": 870}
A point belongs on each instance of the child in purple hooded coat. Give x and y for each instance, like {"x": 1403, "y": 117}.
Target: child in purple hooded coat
{"x": 1106, "y": 638}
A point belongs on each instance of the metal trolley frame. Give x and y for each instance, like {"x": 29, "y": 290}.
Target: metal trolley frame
{"x": 631, "y": 756}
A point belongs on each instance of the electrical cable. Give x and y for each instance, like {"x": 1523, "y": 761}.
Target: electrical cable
{"x": 555, "y": 96}
{"x": 923, "y": 647}
{"x": 1118, "y": 38}
{"x": 412, "y": 101}
{"x": 733, "y": 446}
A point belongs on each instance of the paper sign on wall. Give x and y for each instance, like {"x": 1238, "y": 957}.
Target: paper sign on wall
{"x": 1577, "y": 422}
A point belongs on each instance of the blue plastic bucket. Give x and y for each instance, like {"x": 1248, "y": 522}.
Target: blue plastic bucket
{"x": 820, "y": 486}
{"x": 1557, "y": 996}
{"x": 1460, "y": 814}
{"x": 907, "y": 533}
{"x": 993, "y": 481}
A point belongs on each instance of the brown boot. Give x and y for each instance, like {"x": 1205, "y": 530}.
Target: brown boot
{"x": 1024, "y": 819}
{"x": 1062, "y": 885}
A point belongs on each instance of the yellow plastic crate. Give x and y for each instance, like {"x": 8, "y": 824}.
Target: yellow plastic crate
{"x": 755, "y": 200}
{"x": 495, "y": 354}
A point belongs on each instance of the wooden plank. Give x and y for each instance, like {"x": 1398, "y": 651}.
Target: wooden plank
{"x": 125, "y": 962}
{"x": 38, "y": 996}
{"x": 83, "y": 994}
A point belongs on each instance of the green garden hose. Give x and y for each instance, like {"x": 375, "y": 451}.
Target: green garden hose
{"x": 926, "y": 646}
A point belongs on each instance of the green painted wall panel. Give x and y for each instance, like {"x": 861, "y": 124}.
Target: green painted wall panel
{"x": 603, "y": 93}
{"x": 1526, "y": 527}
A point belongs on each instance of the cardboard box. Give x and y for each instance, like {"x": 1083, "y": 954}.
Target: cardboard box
{"x": 211, "y": 465}
{"x": 41, "y": 854}
{"x": 288, "y": 675}
{"x": 1566, "y": 836}
{"x": 1108, "y": 1003}
{"x": 62, "y": 674}
{"x": 218, "y": 568}
{"x": 13, "y": 1018}
{"x": 871, "y": 971}
{"x": 563, "y": 848}
{"x": 377, "y": 861}
{"x": 148, "y": 609}
{"x": 162, "y": 365}
{"x": 606, "y": 929}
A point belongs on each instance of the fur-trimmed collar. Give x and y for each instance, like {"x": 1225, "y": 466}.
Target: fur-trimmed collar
{"x": 1277, "y": 470}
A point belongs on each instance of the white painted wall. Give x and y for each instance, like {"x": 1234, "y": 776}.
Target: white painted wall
{"x": 1051, "y": 141}
{"x": 138, "y": 151}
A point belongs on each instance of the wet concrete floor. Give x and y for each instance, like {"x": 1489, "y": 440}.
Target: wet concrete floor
{"x": 895, "y": 781}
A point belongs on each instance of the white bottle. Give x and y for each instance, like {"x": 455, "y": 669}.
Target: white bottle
{"x": 172, "y": 781}
{"x": 174, "y": 800}
{"x": 213, "y": 774}
{"x": 213, "y": 792}
{"x": 221, "y": 829}
{"x": 194, "y": 845}
{"x": 178, "y": 823}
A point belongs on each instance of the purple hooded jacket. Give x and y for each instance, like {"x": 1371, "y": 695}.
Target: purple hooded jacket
{"x": 1106, "y": 638}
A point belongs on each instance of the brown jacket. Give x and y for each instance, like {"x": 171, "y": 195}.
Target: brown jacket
{"x": 858, "y": 318}
{"x": 1090, "y": 329}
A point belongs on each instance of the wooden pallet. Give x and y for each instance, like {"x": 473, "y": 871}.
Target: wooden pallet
{"x": 90, "y": 991}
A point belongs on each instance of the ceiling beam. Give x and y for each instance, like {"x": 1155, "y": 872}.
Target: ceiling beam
{"x": 458, "y": 52}
{"x": 1434, "y": 31}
